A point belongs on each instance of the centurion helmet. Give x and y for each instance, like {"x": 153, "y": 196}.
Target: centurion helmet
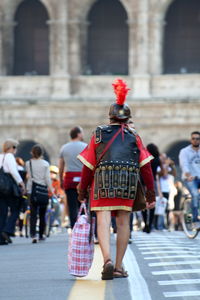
{"x": 120, "y": 111}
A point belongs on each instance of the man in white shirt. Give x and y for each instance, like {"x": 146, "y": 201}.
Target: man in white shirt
{"x": 189, "y": 159}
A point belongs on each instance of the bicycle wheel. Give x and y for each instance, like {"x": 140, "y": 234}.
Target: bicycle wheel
{"x": 27, "y": 225}
{"x": 187, "y": 221}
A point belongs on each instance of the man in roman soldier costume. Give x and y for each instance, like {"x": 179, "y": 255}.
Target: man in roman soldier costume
{"x": 113, "y": 162}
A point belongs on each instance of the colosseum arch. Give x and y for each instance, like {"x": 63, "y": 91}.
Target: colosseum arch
{"x": 174, "y": 149}
{"x": 107, "y": 39}
{"x": 31, "y": 56}
{"x": 24, "y": 150}
{"x": 181, "y": 49}
{"x": 15, "y": 5}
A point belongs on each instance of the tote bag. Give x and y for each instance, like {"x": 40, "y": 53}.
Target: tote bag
{"x": 81, "y": 245}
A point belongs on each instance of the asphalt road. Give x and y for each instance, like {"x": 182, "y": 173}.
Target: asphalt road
{"x": 160, "y": 265}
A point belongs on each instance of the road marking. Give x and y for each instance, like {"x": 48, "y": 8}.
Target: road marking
{"x": 168, "y": 247}
{"x": 170, "y": 251}
{"x": 92, "y": 284}
{"x": 171, "y": 256}
{"x": 181, "y": 294}
{"x": 137, "y": 285}
{"x": 164, "y": 244}
{"x": 180, "y": 281}
{"x": 161, "y": 242}
{"x": 169, "y": 272}
{"x": 173, "y": 263}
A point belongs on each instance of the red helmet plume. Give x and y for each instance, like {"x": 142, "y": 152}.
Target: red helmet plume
{"x": 121, "y": 90}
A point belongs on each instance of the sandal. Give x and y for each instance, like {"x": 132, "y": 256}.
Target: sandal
{"x": 108, "y": 268}
{"x": 117, "y": 273}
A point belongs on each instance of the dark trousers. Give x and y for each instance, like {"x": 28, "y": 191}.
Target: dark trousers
{"x": 73, "y": 205}
{"x": 35, "y": 210}
{"x": 7, "y": 223}
{"x": 148, "y": 217}
{"x": 3, "y": 213}
{"x": 114, "y": 225}
{"x": 13, "y": 203}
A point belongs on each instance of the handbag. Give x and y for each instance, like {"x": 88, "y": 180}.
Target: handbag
{"x": 39, "y": 193}
{"x": 140, "y": 201}
{"x": 8, "y": 185}
{"x": 81, "y": 245}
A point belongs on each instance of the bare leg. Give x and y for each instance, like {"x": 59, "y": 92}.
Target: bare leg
{"x": 103, "y": 231}
{"x": 123, "y": 232}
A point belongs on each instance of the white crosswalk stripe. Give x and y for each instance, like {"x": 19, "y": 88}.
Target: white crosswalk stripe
{"x": 170, "y": 251}
{"x": 181, "y": 294}
{"x": 169, "y": 247}
{"x": 178, "y": 263}
{"x": 174, "y": 258}
{"x": 171, "y": 256}
{"x": 180, "y": 281}
{"x": 170, "y": 272}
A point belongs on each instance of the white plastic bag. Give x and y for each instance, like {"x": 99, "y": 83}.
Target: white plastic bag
{"x": 161, "y": 204}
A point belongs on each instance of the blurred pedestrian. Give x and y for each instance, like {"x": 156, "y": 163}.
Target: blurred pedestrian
{"x": 70, "y": 170}
{"x": 38, "y": 174}
{"x": 189, "y": 159}
{"x": 111, "y": 168}
{"x": 7, "y": 223}
{"x": 166, "y": 189}
{"x": 148, "y": 215}
{"x": 60, "y": 197}
{"x": 178, "y": 206}
{"x": 22, "y": 199}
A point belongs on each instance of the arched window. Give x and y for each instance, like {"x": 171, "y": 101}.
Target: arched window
{"x": 24, "y": 150}
{"x": 107, "y": 49}
{"x": 182, "y": 37}
{"x": 173, "y": 152}
{"x": 174, "y": 149}
{"x": 31, "y": 49}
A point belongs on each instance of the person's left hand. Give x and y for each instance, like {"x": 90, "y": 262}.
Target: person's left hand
{"x": 82, "y": 194}
{"x": 150, "y": 205}
{"x": 150, "y": 196}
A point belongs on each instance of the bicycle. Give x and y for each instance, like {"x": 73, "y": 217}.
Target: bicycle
{"x": 190, "y": 228}
{"x": 48, "y": 219}
{"x": 52, "y": 214}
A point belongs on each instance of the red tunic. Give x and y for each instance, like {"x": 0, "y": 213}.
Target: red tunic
{"x": 88, "y": 158}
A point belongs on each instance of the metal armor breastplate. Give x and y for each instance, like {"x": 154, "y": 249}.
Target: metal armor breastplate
{"x": 117, "y": 173}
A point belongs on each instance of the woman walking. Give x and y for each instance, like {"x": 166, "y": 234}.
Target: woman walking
{"x": 7, "y": 224}
{"x": 38, "y": 174}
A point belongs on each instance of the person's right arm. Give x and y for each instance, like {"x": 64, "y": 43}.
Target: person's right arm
{"x": 184, "y": 164}
{"x": 61, "y": 165}
{"x": 88, "y": 158}
{"x": 48, "y": 179}
{"x": 12, "y": 168}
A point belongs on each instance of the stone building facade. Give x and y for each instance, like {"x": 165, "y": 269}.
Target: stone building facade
{"x": 58, "y": 59}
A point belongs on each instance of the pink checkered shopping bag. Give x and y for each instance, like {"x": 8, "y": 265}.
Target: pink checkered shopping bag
{"x": 81, "y": 245}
